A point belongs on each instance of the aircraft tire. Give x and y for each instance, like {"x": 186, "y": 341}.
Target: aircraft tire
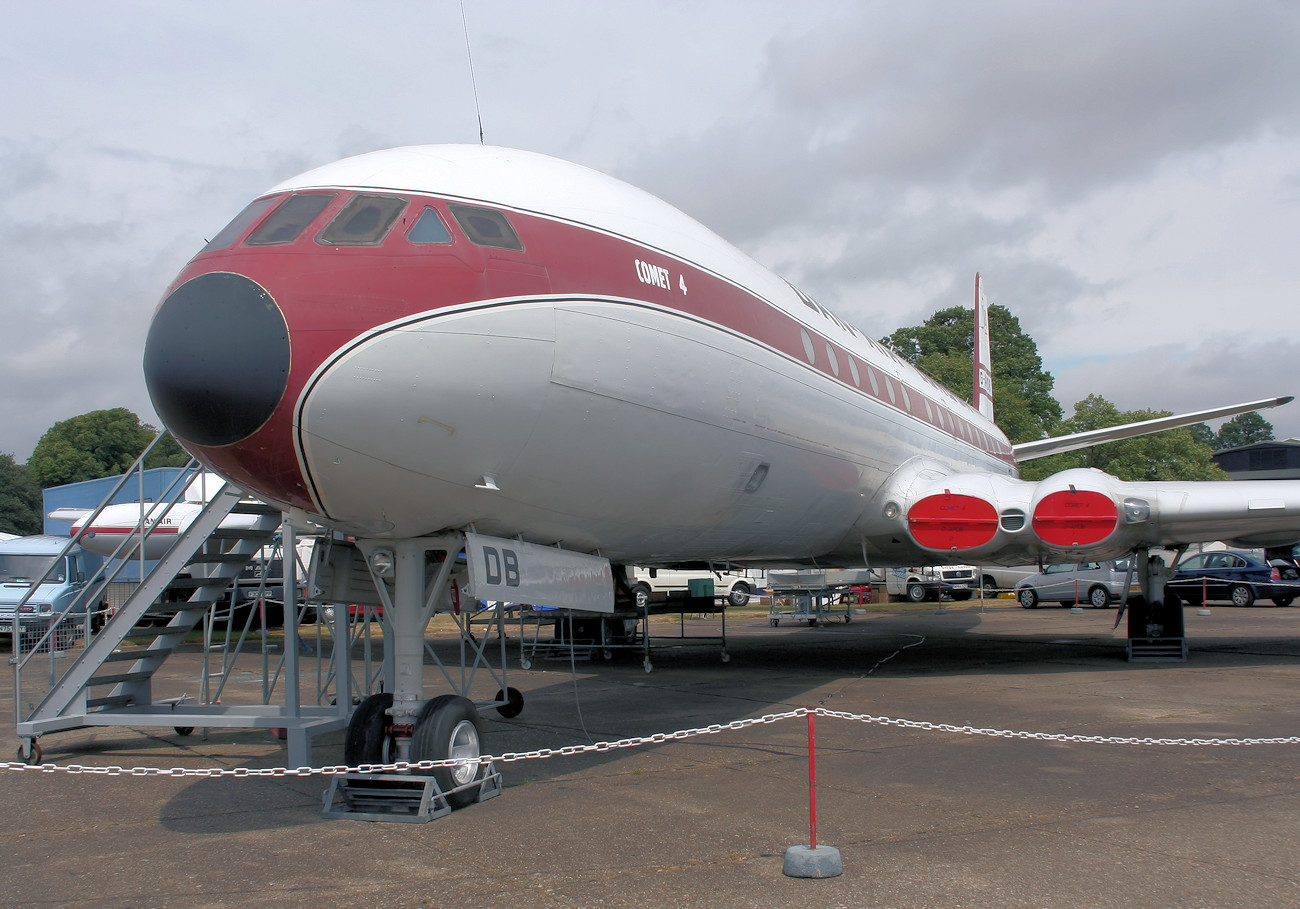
{"x": 365, "y": 739}
{"x": 514, "y": 703}
{"x": 641, "y": 596}
{"x": 447, "y": 727}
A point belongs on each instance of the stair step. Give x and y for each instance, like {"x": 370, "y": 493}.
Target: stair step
{"x": 117, "y": 700}
{"x": 1152, "y": 650}
{"x": 218, "y": 558}
{"x": 101, "y": 680}
{"x": 196, "y": 583}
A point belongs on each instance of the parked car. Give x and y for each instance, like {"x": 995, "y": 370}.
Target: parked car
{"x": 658, "y": 584}
{"x": 1236, "y": 575}
{"x": 1096, "y": 583}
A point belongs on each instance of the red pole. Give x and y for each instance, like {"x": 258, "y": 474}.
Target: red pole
{"x": 812, "y": 782}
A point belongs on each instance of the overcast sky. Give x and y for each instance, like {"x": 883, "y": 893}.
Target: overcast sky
{"x": 1126, "y": 175}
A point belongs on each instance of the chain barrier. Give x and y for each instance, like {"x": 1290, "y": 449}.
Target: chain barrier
{"x": 655, "y": 739}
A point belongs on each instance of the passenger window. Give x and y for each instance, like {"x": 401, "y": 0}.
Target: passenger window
{"x": 364, "y": 220}
{"x": 429, "y": 229}
{"x": 241, "y": 222}
{"x": 486, "y": 227}
{"x": 289, "y": 220}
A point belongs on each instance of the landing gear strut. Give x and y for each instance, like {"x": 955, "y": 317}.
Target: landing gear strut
{"x": 416, "y": 578}
{"x": 1156, "y": 631}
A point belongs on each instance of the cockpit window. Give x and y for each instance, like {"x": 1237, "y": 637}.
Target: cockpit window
{"x": 486, "y": 227}
{"x": 240, "y": 224}
{"x": 429, "y": 229}
{"x": 289, "y": 220}
{"x": 363, "y": 220}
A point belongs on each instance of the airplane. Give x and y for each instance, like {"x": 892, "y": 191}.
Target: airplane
{"x": 468, "y": 349}
{"x": 115, "y": 530}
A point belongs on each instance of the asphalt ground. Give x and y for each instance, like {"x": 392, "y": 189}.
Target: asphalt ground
{"x": 921, "y": 818}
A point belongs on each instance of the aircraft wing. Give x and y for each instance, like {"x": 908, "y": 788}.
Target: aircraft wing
{"x": 1088, "y": 514}
{"x": 1041, "y": 448}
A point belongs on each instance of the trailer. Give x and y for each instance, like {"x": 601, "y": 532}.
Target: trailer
{"x": 816, "y": 596}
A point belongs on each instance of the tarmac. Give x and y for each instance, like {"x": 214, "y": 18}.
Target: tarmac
{"x": 922, "y": 818}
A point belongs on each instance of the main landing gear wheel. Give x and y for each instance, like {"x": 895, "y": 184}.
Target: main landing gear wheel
{"x": 366, "y": 741}
{"x": 514, "y": 703}
{"x": 641, "y": 596}
{"x": 447, "y": 728}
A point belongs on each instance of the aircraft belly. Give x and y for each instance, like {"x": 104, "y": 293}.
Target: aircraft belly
{"x": 616, "y": 427}
{"x": 693, "y": 440}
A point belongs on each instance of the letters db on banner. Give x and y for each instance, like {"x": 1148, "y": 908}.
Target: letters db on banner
{"x": 514, "y": 572}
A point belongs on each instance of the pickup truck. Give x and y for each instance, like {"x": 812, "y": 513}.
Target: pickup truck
{"x": 656, "y": 584}
{"x": 933, "y": 582}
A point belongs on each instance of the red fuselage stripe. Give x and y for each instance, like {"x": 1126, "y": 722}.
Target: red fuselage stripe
{"x": 331, "y": 296}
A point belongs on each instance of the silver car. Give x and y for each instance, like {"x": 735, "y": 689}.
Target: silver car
{"x": 1096, "y": 583}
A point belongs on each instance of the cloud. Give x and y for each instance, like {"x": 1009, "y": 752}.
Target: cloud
{"x": 1174, "y": 378}
{"x": 1122, "y": 174}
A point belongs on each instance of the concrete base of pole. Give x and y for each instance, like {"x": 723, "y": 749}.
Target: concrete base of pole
{"x": 805, "y": 861}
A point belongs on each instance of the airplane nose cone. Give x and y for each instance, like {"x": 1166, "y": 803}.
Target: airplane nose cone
{"x": 216, "y": 360}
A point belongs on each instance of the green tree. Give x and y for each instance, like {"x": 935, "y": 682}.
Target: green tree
{"x": 1023, "y": 405}
{"x": 20, "y": 499}
{"x": 1175, "y": 454}
{"x": 1243, "y": 429}
{"x": 101, "y": 443}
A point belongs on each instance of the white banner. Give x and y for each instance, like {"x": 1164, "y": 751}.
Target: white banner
{"x": 514, "y": 572}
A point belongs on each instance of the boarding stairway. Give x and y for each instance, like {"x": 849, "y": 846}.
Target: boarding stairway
{"x": 111, "y": 681}
{"x": 114, "y": 671}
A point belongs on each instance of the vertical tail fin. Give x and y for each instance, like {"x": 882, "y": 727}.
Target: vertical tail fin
{"x": 982, "y": 393}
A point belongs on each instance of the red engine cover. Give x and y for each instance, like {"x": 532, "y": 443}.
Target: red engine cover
{"x": 949, "y": 521}
{"x": 1075, "y": 517}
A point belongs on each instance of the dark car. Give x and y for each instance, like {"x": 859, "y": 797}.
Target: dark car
{"x": 1235, "y": 575}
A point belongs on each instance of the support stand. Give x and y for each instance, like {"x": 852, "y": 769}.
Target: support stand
{"x": 812, "y": 861}
{"x": 405, "y": 798}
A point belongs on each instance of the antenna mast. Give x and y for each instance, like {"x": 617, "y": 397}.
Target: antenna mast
{"x": 469, "y": 56}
